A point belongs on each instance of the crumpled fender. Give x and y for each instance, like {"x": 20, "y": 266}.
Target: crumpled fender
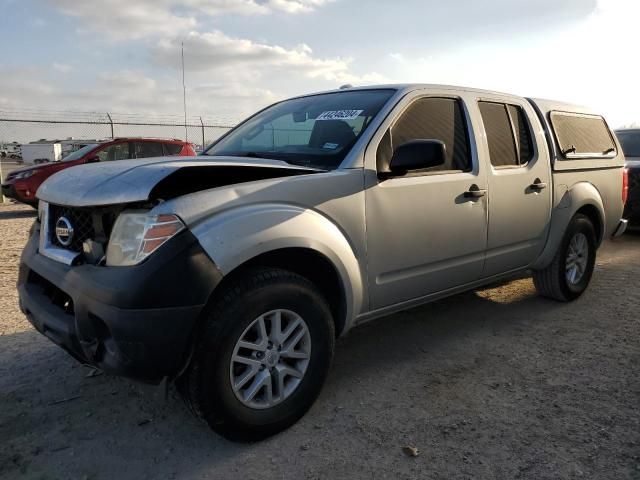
{"x": 235, "y": 236}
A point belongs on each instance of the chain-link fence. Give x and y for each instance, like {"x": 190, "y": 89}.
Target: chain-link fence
{"x": 25, "y": 126}
{"x": 75, "y": 129}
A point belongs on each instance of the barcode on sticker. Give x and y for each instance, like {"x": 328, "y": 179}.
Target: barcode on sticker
{"x": 339, "y": 115}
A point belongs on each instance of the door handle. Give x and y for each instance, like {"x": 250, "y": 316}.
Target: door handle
{"x": 474, "y": 192}
{"x": 538, "y": 185}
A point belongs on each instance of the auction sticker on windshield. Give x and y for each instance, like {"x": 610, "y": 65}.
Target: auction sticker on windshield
{"x": 339, "y": 115}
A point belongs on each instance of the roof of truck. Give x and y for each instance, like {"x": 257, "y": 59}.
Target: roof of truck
{"x": 417, "y": 86}
{"x": 544, "y": 104}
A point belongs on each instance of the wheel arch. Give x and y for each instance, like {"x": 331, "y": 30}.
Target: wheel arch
{"x": 582, "y": 198}
{"x": 308, "y": 263}
{"x": 293, "y": 238}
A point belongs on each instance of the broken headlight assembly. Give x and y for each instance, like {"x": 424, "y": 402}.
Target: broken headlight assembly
{"x": 136, "y": 235}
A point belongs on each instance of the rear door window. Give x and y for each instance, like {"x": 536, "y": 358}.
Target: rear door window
{"x": 508, "y": 134}
{"x": 148, "y": 149}
{"x": 582, "y": 136}
{"x": 172, "y": 148}
{"x": 522, "y": 131}
{"x": 119, "y": 151}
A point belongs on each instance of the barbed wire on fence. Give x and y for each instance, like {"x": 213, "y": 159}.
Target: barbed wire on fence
{"x": 28, "y": 125}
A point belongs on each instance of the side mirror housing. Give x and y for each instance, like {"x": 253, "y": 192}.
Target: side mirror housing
{"x": 95, "y": 159}
{"x": 417, "y": 155}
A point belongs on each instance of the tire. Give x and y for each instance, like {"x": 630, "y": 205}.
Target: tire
{"x": 554, "y": 282}
{"x": 207, "y": 383}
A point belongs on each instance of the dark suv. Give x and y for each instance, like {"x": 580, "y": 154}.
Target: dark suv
{"x": 630, "y": 141}
{"x": 22, "y": 184}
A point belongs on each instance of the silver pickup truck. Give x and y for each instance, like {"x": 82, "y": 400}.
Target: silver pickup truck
{"x": 235, "y": 271}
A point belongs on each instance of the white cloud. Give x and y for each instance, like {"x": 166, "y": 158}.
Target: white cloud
{"x": 127, "y": 79}
{"x": 591, "y": 62}
{"x": 129, "y": 92}
{"x": 217, "y": 52}
{"x": 24, "y": 83}
{"x": 38, "y": 22}
{"x": 123, "y": 19}
{"x": 61, "y": 67}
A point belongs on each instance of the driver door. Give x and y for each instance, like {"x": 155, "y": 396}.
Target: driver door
{"x": 425, "y": 232}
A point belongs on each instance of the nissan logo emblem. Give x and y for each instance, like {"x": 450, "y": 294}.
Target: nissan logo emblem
{"x": 64, "y": 231}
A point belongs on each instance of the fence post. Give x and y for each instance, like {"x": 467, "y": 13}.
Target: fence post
{"x": 202, "y": 123}
{"x": 110, "y": 123}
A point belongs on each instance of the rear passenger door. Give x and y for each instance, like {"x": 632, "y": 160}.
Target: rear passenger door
{"x": 519, "y": 184}
{"x": 424, "y": 235}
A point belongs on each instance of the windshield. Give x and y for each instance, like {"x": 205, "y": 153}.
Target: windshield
{"x": 80, "y": 153}
{"x": 630, "y": 143}
{"x": 318, "y": 131}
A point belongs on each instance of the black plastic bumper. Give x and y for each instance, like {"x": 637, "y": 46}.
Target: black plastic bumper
{"x": 9, "y": 191}
{"x": 133, "y": 321}
{"x": 632, "y": 210}
{"x": 632, "y": 207}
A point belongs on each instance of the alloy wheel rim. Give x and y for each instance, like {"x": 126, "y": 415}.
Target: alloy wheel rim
{"x": 577, "y": 258}
{"x": 270, "y": 359}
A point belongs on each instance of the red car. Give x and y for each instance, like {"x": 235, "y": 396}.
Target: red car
{"x": 22, "y": 184}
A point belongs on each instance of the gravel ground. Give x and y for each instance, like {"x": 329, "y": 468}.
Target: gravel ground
{"x": 496, "y": 383}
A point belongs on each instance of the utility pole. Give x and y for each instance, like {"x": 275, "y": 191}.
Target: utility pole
{"x": 1, "y": 181}
{"x": 184, "y": 97}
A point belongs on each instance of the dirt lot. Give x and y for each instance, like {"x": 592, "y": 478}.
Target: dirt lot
{"x": 497, "y": 383}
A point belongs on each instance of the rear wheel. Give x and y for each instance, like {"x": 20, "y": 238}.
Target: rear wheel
{"x": 569, "y": 274}
{"x": 263, "y": 356}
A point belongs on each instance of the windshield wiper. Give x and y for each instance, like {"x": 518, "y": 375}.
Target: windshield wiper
{"x": 266, "y": 155}
{"x": 252, "y": 155}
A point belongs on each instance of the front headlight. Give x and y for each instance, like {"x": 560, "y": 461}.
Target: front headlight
{"x": 26, "y": 174}
{"x": 136, "y": 235}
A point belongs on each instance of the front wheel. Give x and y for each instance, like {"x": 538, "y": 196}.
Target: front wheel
{"x": 569, "y": 274}
{"x": 263, "y": 356}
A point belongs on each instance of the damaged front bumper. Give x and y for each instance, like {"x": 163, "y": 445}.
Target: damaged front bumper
{"x": 133, "y": 321}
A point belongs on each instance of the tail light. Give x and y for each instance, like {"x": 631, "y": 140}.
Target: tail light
{"x": 625, "y": 185}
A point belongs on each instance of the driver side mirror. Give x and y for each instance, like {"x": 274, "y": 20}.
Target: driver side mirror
{"x": 95, "y": 159}
{"x": 417, "y": 155}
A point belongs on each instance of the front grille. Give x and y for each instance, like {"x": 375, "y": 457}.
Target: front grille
{"x": 80, "y": 219}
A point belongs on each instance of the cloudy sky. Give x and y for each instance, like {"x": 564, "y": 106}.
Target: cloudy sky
{"x": 124, "y": 55}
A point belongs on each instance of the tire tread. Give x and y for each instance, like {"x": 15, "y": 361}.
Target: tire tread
{"x": 549, "y": 281}
{"x": 219, "y": 309}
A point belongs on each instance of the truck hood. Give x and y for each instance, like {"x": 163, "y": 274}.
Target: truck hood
{"x": 129, "y": 181}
